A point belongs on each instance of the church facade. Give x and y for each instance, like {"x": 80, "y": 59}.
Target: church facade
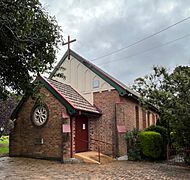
{"x": 86, "y": 110}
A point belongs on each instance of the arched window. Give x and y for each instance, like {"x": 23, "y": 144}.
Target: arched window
{"x": 144, "y": 119}
{"x": 137, "y": 116}
{"x": 148, "y": 118}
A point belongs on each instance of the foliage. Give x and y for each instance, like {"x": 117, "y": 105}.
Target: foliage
{"x": 4, "y": 145}
{"x": 29, "y": 39}
{"x": 4, "y": 140}
{"x": 133, "y": 145}
{"x": 60, "y": 73}
{"x": 158, "y": 129}
{"x": 145, "y": 144}
{"x": 170, "y": 93}
{"x": 163, "y": 133}
{"x": 151, "y": 144}
{"x": 6, "y": 108}
{"x": 187, "y": 159}
{"x": 162, "y": 123}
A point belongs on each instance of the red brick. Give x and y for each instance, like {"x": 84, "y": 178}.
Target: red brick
{"x": 23, "y": 136}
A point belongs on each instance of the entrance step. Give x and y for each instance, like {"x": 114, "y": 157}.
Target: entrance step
{"x": 92, "y": 157}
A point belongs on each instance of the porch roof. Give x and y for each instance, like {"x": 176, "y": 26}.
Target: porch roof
{"x": 72, "y": 96}
{"x": 66, "y": 95}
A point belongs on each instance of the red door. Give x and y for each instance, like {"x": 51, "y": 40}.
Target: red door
{"x": 81, "y": 136}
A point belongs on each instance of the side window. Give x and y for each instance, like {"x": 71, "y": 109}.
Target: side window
{"x": 144, "y": 119}
{"x": 95, "y": 83}
{"x": 148, "y": 118}
{"x": 153, "y": 119}
{"x": 137, "y": 116}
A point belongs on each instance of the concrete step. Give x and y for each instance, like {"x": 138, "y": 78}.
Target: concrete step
{"x": 92, "y": 157}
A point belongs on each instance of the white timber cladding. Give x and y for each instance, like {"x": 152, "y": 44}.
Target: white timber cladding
{"x": 82, "y": 79}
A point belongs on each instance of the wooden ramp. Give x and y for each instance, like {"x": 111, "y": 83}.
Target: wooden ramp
{"x": 93, "y": 157}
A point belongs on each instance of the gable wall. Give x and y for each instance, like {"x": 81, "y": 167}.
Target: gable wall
{"x": 81, "y": 79}
{"x": 24, "y": 135}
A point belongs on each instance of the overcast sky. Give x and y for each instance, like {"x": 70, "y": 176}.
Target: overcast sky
{"x": 104, "y": 26}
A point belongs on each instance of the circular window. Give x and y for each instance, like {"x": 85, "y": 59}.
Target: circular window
{"x": 40, "y": 115}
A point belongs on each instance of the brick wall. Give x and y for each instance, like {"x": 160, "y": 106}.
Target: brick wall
{"x": 66, "y": 148}
{"x": 126, "y": 115}
{"x": 24, "y": 135}
{"x": 130, "y": 114}
{"x": 121, "y": 147}
{"x": 115, "y": 110}
{"x": 73, "y": 134}
{"x": 103, "y": 128}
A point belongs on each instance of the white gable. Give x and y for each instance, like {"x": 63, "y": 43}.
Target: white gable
{"x": 82, "y": 79}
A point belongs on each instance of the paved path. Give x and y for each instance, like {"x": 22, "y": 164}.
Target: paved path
{"x": 26, "y": 168}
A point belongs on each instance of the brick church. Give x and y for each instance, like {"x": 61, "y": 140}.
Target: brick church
{"x": 87, "y": 110}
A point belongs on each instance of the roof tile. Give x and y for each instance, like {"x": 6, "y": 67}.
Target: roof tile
{"x": 73, "y": 97}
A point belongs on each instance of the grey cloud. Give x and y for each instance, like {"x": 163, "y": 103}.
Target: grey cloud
{"x": 104, "y": 26}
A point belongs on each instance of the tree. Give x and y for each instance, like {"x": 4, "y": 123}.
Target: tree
{"x": 6, "y": 108}
{"x": 29, "y": 39}
{"x": 170, "y": 92}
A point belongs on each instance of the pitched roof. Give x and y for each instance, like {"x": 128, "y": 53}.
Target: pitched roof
{"x": 119, "y": 86}
{"x": 122, "y": 89}
{"x": 73, "y": 97}
{"x": 65, "y": 94}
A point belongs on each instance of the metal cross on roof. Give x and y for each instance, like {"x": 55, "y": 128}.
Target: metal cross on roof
{"x": 69, "y": 41}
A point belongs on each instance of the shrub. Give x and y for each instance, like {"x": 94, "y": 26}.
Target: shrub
{"x": 159, "y": 129}
{"x": 134, "y": 154}
{"x": 163, "y": 133}
{"x": 133, "y": 145}
{"x": 151, "y": 144}
{"x": 187, "y": 159}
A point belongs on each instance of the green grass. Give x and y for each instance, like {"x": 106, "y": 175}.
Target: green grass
{"x": 4, "y": 145}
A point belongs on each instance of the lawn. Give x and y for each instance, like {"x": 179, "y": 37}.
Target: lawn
{"x": 4, "y": 145}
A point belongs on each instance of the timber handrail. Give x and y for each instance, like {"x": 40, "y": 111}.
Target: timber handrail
{"x": 101, "y": 141}
{"x": 97, "y": 141}
{"x": 81, "y": 139}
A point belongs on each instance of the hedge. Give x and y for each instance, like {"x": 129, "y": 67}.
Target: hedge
{"x": 159, "y": 129}
{"x": 151, "y": 144}
{"x": 163, "y": 132}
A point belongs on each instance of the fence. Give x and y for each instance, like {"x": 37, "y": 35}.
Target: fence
{"x": 178, "y": 156}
